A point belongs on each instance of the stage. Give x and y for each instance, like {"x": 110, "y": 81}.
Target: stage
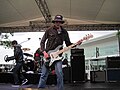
{"x": 6, "y": 81}
{"x": 80, "y": 86}
{"x": 33, "y": 78}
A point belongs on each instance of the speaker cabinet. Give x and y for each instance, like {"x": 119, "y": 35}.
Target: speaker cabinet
{"x": 67, "y": 74}
{"x": 97, "y": 76}
{"x": 113, "y": 62}
{"x": 113, "y": 75}
{"x": 77, "y": 68}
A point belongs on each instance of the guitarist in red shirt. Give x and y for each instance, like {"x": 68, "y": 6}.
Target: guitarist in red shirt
{"x": 51, "y": 41}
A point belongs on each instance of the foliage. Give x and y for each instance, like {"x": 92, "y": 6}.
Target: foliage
{"x": 6, "y": 44}
{"x": 4, "y": 40}
{"x": 118, "y": 33}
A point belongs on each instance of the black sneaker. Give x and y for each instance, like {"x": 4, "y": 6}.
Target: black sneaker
{"x": 24, "y": 81}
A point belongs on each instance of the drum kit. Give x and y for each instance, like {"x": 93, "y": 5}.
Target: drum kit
{"x": 26, "y": 49}
{"x": 28, "y": 63}
{"x": 31, "y": 66}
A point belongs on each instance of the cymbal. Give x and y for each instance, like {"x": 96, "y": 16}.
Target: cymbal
{"x": 26, "y": 49}
{"x": 27, "y": 54}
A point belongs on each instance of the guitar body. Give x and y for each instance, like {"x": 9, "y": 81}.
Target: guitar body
{"x": 54, "y": 56}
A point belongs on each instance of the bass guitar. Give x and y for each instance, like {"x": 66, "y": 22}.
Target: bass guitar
{"x": 54, "y": 54}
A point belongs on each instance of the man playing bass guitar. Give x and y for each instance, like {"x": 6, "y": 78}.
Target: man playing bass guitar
{"x": 55, "y": 35}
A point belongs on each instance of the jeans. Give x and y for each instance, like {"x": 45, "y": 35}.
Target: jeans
{"x": 45, "y": 72}
{"x": 17, "y": 73}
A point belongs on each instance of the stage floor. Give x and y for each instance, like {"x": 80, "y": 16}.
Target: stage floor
{"x": 70, "y": 86}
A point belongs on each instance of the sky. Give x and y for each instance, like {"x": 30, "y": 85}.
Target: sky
{"x": 34, "y": 42}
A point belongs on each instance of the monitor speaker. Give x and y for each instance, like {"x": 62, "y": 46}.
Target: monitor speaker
{"x": 77, "y": 68}
{"x": 97, "y": 76}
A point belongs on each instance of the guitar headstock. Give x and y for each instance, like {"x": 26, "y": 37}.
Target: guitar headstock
{"x": 87, "y": 37}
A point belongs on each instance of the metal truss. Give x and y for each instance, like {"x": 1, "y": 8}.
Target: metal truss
{"x": 44, "y": 10}
{"x": 92, "y": 27}
{"x": 80, "y": 27}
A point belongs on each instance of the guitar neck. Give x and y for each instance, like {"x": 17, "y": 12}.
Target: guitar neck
{"x": 66, "y": 48}
{"x": 74, "y": 44}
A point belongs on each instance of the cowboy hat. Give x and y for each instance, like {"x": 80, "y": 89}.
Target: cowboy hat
{"x": 58, "y": 18}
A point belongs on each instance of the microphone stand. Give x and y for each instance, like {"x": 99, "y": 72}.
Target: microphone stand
{"x": 25, "y": 40}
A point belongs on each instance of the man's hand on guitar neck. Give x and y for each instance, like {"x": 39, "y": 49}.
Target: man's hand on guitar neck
{"x": 46, "y": 54}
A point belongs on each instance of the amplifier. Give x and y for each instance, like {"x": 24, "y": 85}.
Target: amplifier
{"x": 97, "y": 76}
{"x": 113, "y": 62}
{"x": 77, "y": 51}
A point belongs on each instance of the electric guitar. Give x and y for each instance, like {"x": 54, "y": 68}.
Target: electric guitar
{"x": 54, "y": 54}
